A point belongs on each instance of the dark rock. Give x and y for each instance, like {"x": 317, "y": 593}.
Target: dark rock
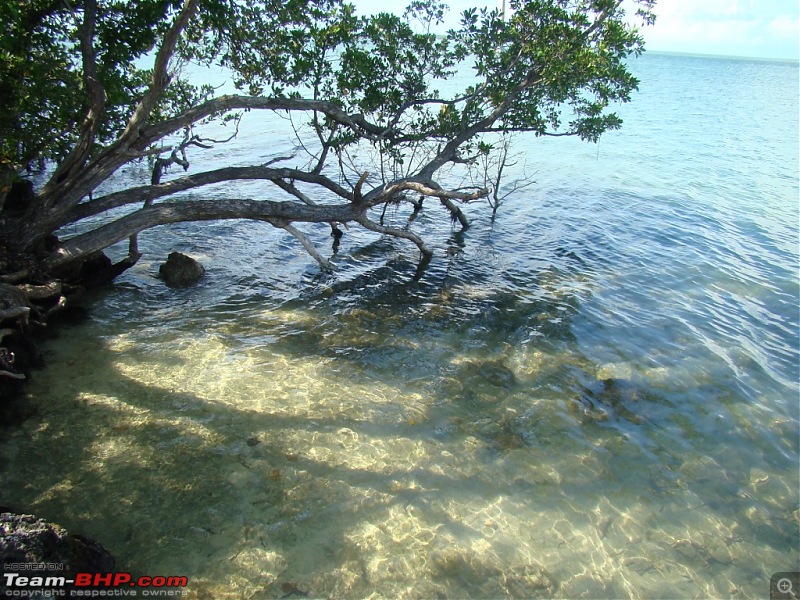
{"x": 29, "y": 539}
{"x": 180, "y": 270}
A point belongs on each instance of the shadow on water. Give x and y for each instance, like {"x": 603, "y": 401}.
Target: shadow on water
{"x": 419, "y": 499}
{"x": 185, "y": 483}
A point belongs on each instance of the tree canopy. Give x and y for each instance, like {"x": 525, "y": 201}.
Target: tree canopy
{"x": 89, "y": 86}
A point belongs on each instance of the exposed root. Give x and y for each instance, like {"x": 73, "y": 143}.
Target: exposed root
{"x": 16, "y": 276}
{"x": 16, "y": 312}
{"x": 41, "y": 292}
{"x": 29, "y": 297}
{"x": 56, "y": 308}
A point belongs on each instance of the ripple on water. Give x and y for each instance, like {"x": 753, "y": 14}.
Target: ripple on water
{"x": 592, "y": 395}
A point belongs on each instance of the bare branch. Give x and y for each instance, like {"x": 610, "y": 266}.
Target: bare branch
{"x": 162, "y": 164}
{"x": 307, "y": 244}
{"x": 326, "y": 144}
{"x": 395, "y": 232}
{"x": 278, "y": 159}
{"x": 456, "y": 213}
{"x": 427, "y": 188}
{"x": 291, "y": 189}
{"x": 357, "y": 196}
{"x": 206, "y": 143}
{"x": 11, "y": 374}
{"x": 494, "y": 166}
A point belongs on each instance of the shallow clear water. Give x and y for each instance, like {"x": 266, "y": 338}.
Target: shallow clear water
{"x": 595, "y": 395}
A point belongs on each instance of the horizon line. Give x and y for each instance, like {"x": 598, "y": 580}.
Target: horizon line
{"x": 724, "y": 56}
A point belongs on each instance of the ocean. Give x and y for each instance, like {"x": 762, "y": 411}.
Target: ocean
{"x": 592, "y": 395}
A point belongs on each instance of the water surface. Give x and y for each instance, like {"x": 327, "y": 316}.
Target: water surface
{"x": 593, "y": 395}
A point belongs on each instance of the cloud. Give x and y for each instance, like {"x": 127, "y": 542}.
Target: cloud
{"x": 733, "y": 27}
{"x": 785, "y": 27}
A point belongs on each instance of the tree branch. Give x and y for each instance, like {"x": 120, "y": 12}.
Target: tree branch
{"x": 449, "y": 152}
{"x": 600, "y": 20}
{"x": 426, "y": 188}
{"x": 96, "y": 97}
{"x": 307, "y": 244}
{"x": 153, "y": 192}
{"x": 395, "y": 232}
{"x": 456, "y": 214}
{"x": 357, "y": 195}
{"x": 197, "y": 210}
{"x": 225, "y": 103}
{"x": 161, "y": 77}
{"x": 291, "y": 189}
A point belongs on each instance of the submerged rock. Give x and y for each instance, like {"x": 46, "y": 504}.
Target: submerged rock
{"x": 31, "y": 540}
{"x": 496, "y": 373}
{"x": 181, "y": 270}
{"x": 613, "y": 398}
{"x": 474, "y": 374}
{"x": 464, "y": 570}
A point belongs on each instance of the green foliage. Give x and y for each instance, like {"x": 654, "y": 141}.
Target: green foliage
{"x": 555, "y": 66}
{"x": 34, "y": 67}
{"x": 576, "y": 60}
{"x": 43, "y": 97}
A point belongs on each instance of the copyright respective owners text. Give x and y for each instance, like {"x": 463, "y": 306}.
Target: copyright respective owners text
{"x": 48, "y": 581}
{"x": 785, "y": 586}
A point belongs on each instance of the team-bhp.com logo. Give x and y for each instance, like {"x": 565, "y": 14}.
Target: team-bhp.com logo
{"x": 92, "y": 585}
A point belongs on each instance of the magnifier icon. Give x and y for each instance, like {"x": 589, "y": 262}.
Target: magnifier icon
{"x": 784, "y": 586}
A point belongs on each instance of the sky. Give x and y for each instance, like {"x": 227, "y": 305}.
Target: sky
{"x": 752, "y": 28}
{"x": 760, "y": 28}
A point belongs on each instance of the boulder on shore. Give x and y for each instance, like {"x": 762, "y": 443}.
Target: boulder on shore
{"x": 180, "y": 270}
{"x": 27, "y": 539}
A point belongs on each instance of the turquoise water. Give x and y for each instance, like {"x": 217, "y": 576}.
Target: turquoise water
{"x": 594, "y": 395}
